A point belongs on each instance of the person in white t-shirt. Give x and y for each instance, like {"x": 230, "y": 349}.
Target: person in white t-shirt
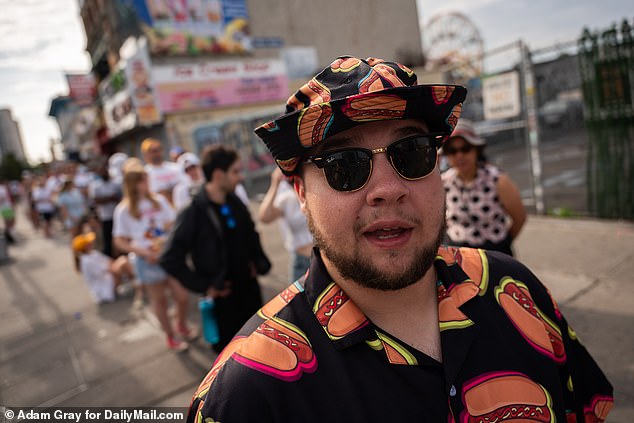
{"x": 141, "y": 222}
{"x": 102, "y": 274}
{"x": 42, "y": 196}
{"x": 72, "y": 207}
{"x": 183, "y": 191}
{"x": 281, "y": 203}
{"x": 162, "y": 175}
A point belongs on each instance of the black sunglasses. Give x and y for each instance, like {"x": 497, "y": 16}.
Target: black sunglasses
{"x": 225, "y": 211}
{"x": 349, "y": 169}
{"x": 450, "y": 151}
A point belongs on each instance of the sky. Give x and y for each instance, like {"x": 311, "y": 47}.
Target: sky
{"x": 540, "y": 23}
{"x": 40, "y": 40}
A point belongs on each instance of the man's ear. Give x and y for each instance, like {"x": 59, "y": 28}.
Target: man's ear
{"x": 298, "y": 185}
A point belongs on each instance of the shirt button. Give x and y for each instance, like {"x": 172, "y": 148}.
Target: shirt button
{"x": 452, "y": 391}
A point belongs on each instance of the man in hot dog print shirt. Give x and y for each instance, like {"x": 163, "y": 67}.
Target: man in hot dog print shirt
{"x": 388, "y": 325}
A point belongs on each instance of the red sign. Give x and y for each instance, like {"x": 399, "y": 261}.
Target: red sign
{"x": 83, "y": 88}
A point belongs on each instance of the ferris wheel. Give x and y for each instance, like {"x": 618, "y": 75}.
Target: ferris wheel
{"x": 452, "y": 42}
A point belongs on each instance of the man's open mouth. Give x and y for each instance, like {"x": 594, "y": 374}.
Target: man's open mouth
{"x": 387, "y": 233}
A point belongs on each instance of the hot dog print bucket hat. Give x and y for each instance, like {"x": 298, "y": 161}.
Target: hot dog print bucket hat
{"x": 351, "y": 92}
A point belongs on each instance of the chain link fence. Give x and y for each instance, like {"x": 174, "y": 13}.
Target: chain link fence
{"x": 566, "y": 139}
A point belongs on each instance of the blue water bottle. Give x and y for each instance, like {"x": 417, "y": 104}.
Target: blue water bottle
{"x": 210, "y": 326}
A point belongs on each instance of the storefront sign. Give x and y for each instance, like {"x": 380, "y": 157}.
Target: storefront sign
{"x": 118, "y": 109}
{"x": 267, "y": 42}
{"x": 82, "y": 88}
{"x": 217, "y": 84}
{"x": 136, "y": 60}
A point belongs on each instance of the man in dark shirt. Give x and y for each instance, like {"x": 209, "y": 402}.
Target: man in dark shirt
{"x": 388, "y": 325}
{"x": 216, "y": 231}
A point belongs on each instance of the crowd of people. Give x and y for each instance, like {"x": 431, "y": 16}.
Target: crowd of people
{"x": 165, "y": 227}
{"x": 130, "y": 228}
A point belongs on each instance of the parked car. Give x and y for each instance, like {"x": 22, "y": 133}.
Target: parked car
{"x": 561, "y": 113}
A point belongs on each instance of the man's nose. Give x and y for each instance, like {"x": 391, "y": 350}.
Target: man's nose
{"x": 385, "y": 184}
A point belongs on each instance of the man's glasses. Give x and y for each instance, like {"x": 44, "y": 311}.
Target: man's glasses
{"x": 450, "y": 151}
{"x": 349, "y": 169}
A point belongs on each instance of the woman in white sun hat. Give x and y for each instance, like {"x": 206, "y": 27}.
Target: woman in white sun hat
{"x": 484, "y": 207}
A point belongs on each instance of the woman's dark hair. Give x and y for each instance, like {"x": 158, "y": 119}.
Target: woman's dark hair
{"x": 217, "y": 156}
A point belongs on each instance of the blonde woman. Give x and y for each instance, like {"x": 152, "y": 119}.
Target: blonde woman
{"x": 140, "y": 224}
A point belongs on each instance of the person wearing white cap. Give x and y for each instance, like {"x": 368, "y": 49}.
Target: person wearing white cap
{"x": 183, "y": 191}
{"x": 484, "y": 207}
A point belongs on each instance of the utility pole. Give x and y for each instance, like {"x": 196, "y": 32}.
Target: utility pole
{"x": 532, "y": 126}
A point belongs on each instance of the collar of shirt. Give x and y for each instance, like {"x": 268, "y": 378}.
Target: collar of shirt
{"x": 462, "y": 275}
{"x": 458, "y": 183}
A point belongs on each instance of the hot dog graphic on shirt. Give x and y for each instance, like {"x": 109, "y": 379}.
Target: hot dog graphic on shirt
{"x": 506, "y": 397}
{"x": 539, "y": 331}
{"x": 277, "y": 348}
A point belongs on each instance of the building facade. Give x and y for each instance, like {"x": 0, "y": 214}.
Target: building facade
{"x": 193, "y": 73}
{"x": 360, "y": 28}
{"x": 10, "y": 137}
{"x": 557, "y": 76}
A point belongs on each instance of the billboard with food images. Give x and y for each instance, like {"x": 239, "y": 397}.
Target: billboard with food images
{"x": 193, "y": 27}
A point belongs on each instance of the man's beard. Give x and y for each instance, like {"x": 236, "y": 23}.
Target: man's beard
{"x": 229, "y": 188}
{"x": 366, "y": 273}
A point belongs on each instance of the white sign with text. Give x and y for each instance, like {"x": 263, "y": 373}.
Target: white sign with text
{"x": 501, "y": 96}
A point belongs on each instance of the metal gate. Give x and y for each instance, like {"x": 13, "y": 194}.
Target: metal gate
{"x": 607, "y": 71}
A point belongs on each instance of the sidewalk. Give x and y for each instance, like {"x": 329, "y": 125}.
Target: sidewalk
{"x": 58, "y": 348}
{"x": 588, "y": 265}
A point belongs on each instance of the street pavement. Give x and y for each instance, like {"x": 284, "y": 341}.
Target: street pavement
{"x": 563, "y": 156}
{"x": 58, "y": 348}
